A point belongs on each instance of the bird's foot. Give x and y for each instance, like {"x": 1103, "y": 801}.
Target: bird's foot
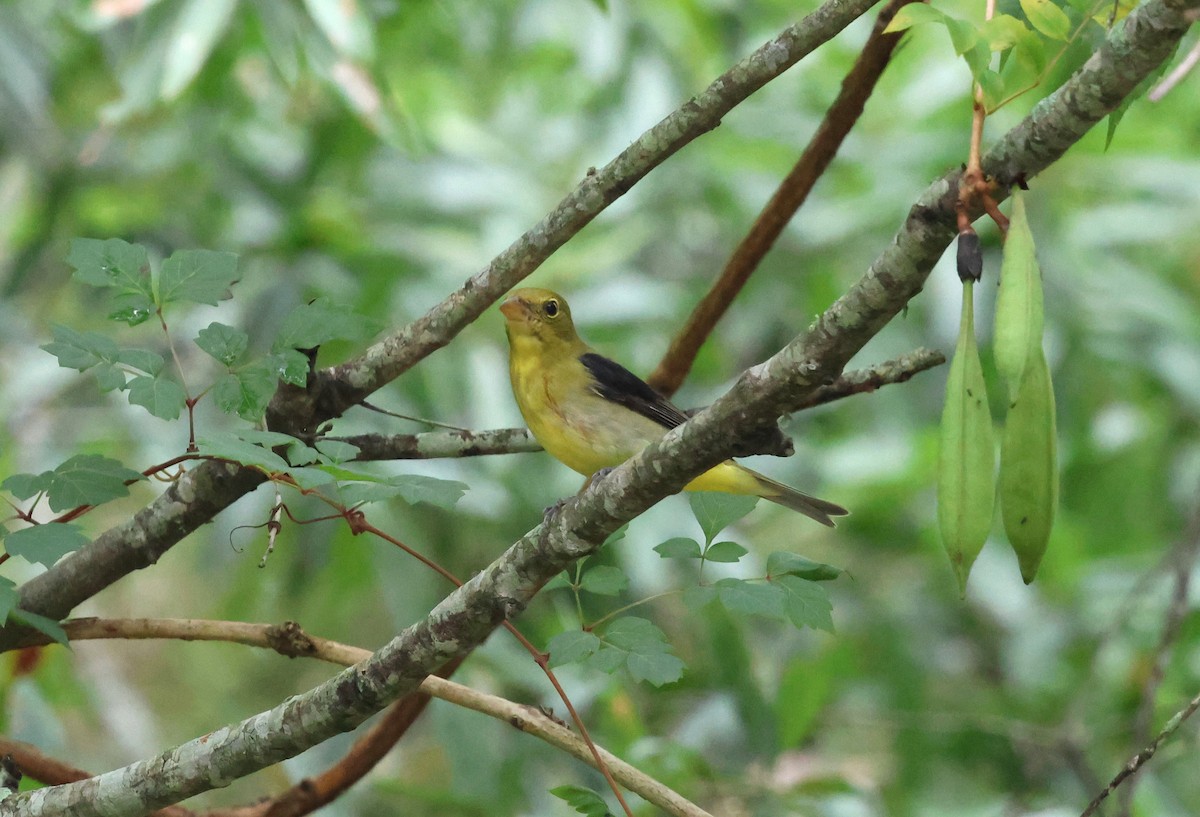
{"x": 597, "y": 476}
{"x": 551, "y": 513}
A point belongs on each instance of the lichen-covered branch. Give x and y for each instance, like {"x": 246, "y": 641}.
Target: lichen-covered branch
{"x": 466, "y": 617}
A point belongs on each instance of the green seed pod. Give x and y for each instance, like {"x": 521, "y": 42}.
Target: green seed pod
{"x": 1029, "y": 466}
{"x": 967, "y": 457}
{"x": 1018, "y": 329}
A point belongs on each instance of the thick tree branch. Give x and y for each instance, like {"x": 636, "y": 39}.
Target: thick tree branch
{"x": 300, "y": 411}
{"x": 466, "y": 617}
{"x": 791, "y": 194}
{"x": 434, "y": 444}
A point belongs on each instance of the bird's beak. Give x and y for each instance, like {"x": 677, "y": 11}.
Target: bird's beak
{"x": 514, "y": 308}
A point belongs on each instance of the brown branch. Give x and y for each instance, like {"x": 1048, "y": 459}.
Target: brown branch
{"x": 791, "y": 194}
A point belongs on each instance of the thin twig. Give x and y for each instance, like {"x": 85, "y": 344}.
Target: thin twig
{"x": 1137, "y": 761}
{"x": 791, "y": 194}
{"x": 289, "y": 640}
{"x": 1177, "y": 74}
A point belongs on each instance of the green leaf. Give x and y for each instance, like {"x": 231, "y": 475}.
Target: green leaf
{"x": 616, "y": 536}
{"x": 636, "y": 634}
{"x": 725, "y": 552}
{"x": 655, "y": 668}
{"x": 297, "y": 452}
{"x": 414, "y": 488}
{"x": 47, "y": 626}
{"x": 80, "y": 350}
{"x": 199, "y": 276}
{"x": 161, "y": 397}
{"x": 45, "y": 544}
{"x": 715, "y": 512}
{"x": 363, "y": 493}
{"x": 699, "y": 596}
{"x": 807, "y": 604}
{"x": 109, "y": 377}
{"x": 1047, "y": 18}
{"x": 245, "y": 393}
{"x": 966, "y": 486}
{"x": 290, "y": 366}
{"x": 604, "y": 581}
{"x": 584, "y": 801}
{"x": 229, "y": 446}
{"x": 606, "y": 659}
{"x": 993, "y": 88}
{"x": 8, "y": 598}
{"x": 133, "y": 308}
{"x": 785, "y": 563}
{"x": 319, "y": 322}
{"x": 679, "y": 547}
{"x": 23, "y": 486}
{"x": 309, "y": 478}
{"x": 88, "y": 479}
{"x": 198, "y": 28}
{"x": 142, "y": 359}
{"x": 1002, "y": 32}
{"x": 914, "y": 14}
{"x": 571, "y": 646}
{"x": 336, "y": 451}
{"x": 755, "y": 598}
{"x": 225, "y": 343}
{"x": 112, "y": 263}
{"x": 964, "y": 36}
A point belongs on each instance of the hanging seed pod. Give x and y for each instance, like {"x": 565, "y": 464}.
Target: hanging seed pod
{"x": 967, "y": 458}
{"x": 1018, "y": 326}
{"x": 1029, "y": 466}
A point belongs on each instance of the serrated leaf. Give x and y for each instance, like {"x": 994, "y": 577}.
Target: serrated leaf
{"x": 290, "y": 366}
{"x": 109, "y": 377}
{"x": 654, "y": 668}
{"x": 1047, "y": 18}
{"x": 912, "y": 15}
{"x": 88, "y": 479}
{"x": 604, "y": 581}
{"x": 47, "y": 626}
{"x": 966, "y": 487}
{"x": 133, "y": 308}
{"x": 230, "y": 446}
{"x": 314, "y": 324}
{"x": 353, "y": 494}
{"x": 806, "y": 603}
{"x": 571, "y": 646}
{"x": 698, "y": 596}
{"x": 414, "y": 488}
{"x": 23, "y": 486}
{"x": 755, "y": 598}
{"x": 309, "y": 478}
{"x": 161, "y": 397}
{"x": 226, "y": 344}
{"x": 111, "y": 263}
{"x": 606, "y": 659}
{"x": 80, "y": 350}
{"x": 245, "y": 393}
{"x": 725, "y": 552}
{"x": 715, "y": 512}
{"x": 336, "y": 451}
{"x": 784, "y": 563}
{"x": 679, "y": 547}
{"x": 584, "y": 801}
{"x": 198, "y": 276}
{"x": 45, "y": 544}
{"x": 297, "y": 451}
{"x": 636, "y": 634}
{"x": 141, "y": 359}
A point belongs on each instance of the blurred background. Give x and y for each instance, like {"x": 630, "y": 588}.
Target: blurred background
{"x": 380, "y": 152}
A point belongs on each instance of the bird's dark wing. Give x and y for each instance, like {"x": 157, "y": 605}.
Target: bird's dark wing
{"x": 614, "y": 382}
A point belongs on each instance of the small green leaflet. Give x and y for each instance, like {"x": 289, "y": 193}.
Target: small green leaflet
{"x": 47, "y": 626}
{"x": 245, "y": 392}
{"x": 785, "y": 563}
{"x": 807, "y": 603}
{"x": 45, "y": 544}
{"x": 336, "y": 451}
{"x": 8, "y": 597}
{"x": 726, "y": 552}
{"x": 647, "y": 651}
{"x": 756, "y": 598}
{"x": 124, "y": 268}
{"x": 88, "y": 479}
{"x": 715, "y": 512}
{"x": 571, "y": 646}
{"x": 290, "y": 366}
{"x": 199, "y": 276}
{"x": 80, "y": 350}
{"x": 584, "y": 801}
{"x": 412, "y": 488}
{"x": 679, "y": 547}
{"x": 604, "y": 580}
{"x": 225, "y": 343}
{"x": 23, "y": 486}
{"x": 229, "y": 446}
{"x": 142, "y": 359}
{"x": 319, "y": 322}
{"x": 159, "y": 396}
{"x": 1047, "y": 18}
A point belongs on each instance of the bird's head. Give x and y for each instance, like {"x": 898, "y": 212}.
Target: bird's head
{"x": 538, "y": 314}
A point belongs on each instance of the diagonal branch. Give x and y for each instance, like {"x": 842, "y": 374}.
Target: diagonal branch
{"x": 163, "y": 523}
{"x": 792, "y": 193}
{"x": 436, "y": 444}
{"x": 466, "y": 617}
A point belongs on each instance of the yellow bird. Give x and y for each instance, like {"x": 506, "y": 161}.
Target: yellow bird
{"x": 591, "y": 413}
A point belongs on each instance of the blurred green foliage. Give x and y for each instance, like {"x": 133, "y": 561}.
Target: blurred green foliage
{"x": 376, "y": 153}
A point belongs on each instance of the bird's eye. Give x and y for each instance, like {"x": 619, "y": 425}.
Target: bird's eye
{"x": 550, "y": 308}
